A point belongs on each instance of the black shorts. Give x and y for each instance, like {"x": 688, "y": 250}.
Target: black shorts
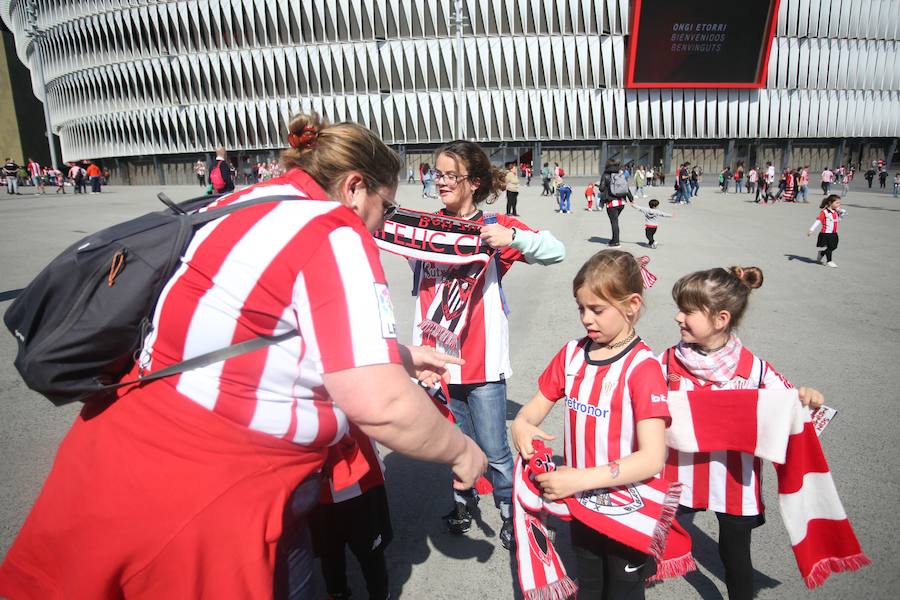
{"x": 362, "y": 523}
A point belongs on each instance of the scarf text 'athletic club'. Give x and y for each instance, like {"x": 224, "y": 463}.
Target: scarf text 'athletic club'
{"x": 436, "y": 239}
{"x": 638, "y": 515}
{"x": 774, "y": 425}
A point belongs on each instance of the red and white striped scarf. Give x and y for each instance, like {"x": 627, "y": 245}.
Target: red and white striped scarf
{"x": 444, "y": 240}
{"x": 638, "y": 515}
{"x": 774, "y": 425}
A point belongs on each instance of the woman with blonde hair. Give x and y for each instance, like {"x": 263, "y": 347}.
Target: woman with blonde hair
{"x": 184, "y": 486}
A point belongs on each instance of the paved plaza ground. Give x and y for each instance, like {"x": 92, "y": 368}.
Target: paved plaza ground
{"x": 834, "y": 329}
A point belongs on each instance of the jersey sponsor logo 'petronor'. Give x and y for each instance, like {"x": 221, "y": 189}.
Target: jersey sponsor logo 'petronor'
{"x": 589, "y": 410}
{"x": 613, "y": 502}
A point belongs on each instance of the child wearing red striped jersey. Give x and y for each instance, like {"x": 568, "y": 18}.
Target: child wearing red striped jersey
{"x": 828, "y": 220}
{"x": 710, "y": 356}
{"x": 615, "y": 421}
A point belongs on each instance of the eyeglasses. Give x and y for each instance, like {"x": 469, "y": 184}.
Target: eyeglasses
{"x": 450, "y": 176}
{"x": 388, "y": 205}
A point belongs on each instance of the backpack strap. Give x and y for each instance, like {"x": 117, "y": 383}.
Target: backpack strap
{"x": 489, "y": 219}
{"x": 209, "y": 358}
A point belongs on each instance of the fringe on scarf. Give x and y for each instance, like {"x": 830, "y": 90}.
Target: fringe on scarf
{"x": 661, "y": 532}
{"x": 446, "y": 338}
{"x": 675, "y": 567}
{"x": 558, "y": 590}
{"x": 823, "y": 569}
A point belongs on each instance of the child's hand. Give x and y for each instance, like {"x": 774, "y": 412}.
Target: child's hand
{"x": 523, "y": 433}
{"x": 811, "y": 397}
{"x": 561, "y": 483}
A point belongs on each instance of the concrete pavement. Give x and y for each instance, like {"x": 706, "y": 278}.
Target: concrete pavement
{"x": 834, "y": 329}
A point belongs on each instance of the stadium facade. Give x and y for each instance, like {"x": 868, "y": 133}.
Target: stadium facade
{"x": 148, "y": 85}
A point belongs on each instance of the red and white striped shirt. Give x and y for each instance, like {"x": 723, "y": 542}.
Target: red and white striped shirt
{"x": 372, "y": 479}
{"x": 305, "y": 265}
{"x": 605, "y": 400}
{"x": 484, "y": 342}
{"x": 723, "y": 481}
{"x": 34, "y": 169}
{"x": 828, "y": 220}
{"x": 614, "y": 202}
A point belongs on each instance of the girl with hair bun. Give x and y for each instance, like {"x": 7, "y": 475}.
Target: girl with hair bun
{"x": 710, "y": 356}
{"x": 827, "y": 222}
{"x": 471, "y": 294}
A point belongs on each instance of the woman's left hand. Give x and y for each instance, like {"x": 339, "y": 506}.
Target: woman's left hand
{"x": 811, "y": 397}
{"x": 496, "y": 235}
{"x": 427, "y": 364}
{"x": 560, "y": 483}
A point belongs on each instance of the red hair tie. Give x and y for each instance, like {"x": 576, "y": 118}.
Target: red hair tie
{"x": 648, "y": 277}
{"x": 306, "y": 139}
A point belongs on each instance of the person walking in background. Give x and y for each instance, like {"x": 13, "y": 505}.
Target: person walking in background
{"x": 752, "y": 180}
{"x": 528, "y": 172}
{"x": 36, "y": 176}
{"x": 200, "y": 172}
{"x": 870, "y": 176}
{"x": 846, "y": 180}
{"x": 827, "y": 180}
{"x": 93, "y": 173}
{"x": 831, "y": 214}
{"x": 545, "y": 179}
{"x": 589, "y": 196}
{"x": 694, "y": 182}
{"x": 640, "y": 180}
{"x": 682, "y": 184}
{"x": 615, "y": 194}
{"x": 512, "y": 189}
{"x": 410, "y": 176}
{"x": 882, "y": 178}
{"x": 11, "y": 171}
{"x": 220, "y": 173}
{"x": 897, "y": 185}
{"x": 427, "y": 181}
{"x": 803, "y": 182}
{"x": 739, "y": 178}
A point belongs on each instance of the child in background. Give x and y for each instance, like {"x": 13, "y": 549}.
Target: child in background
{"x": 828, "y": 220}
{"x": 710, "y": 356}
{"x": 565, "y": 194}
{"x": 621, "y": 439}
{"x": 589, "y": 196}
{"x": 650, "y": 216}
{"x": 358, "y": 518}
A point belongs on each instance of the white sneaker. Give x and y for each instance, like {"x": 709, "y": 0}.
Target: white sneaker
{"x": 653, "y": 245}
{"x": 831, "y": 264}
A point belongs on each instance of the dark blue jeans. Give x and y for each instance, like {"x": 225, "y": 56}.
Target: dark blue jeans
{"x": 480, "y": 411}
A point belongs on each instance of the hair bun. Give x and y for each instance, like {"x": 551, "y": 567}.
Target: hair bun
{"x": 752, "y": 277}
{"x": 303, "y": 131}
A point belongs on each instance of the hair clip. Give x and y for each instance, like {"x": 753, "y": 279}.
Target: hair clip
{"x": 306, "y": 139}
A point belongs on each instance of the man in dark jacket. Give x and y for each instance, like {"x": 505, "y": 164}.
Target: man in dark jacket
{"x": 11, "y": 170}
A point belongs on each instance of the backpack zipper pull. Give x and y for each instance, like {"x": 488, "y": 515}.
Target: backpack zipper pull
{"x": 118, "y": 263}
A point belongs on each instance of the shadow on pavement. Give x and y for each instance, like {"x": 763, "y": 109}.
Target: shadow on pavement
{"x": 706, "y": 553}
{"x": 598, "y": 240}
{"x": 870, "y": 207}
{"x": 804, "y": 259}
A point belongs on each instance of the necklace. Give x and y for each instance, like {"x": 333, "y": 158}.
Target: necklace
{"x": 621, "y": 343}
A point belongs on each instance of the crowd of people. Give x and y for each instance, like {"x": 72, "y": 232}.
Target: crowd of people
{"x": 228, "y": 479}
{"x": 76, "y": 175}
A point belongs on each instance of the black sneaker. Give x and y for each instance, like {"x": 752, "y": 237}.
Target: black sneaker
{"x": 507, "y": 539}
{"x": 458, "y": 520}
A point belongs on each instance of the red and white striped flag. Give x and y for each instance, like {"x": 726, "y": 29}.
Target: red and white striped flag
{"x": 774, "y": 425}
{"x": 637, "y": 515}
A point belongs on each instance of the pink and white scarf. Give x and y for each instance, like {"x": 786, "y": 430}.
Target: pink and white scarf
{"x": 774, "y": 425}
{"x": 638, "y": 515}
{"x": 717, "y": 367}
{"x": 437, "y": 239}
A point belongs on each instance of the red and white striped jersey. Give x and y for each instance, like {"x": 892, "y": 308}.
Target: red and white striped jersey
{"x": 373, "y": 478}
{"x": 306, "y": 265}
{"x": 604, "y": 400}
{"x": 484, "y": 342}
{"x": 723, "y": 481}
{"x": 829, "y": 220}
{"x": 34, "y": 169}
{"x": 614, "y": 202}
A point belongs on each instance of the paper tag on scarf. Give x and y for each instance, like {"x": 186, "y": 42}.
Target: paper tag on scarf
{"x": 821, "y": 417}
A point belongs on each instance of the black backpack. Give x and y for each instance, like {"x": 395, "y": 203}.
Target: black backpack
{"x": 81, "y": 322}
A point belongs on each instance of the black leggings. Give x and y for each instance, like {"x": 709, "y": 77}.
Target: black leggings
{"x": 512, "y": 198}
{"x": 650, "y": 232}
{"x": 613, "y": 214}
{"x": 608, "y": 569}
{"x": 828, "y": 241}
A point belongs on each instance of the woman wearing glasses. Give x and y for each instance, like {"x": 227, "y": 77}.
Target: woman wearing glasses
{"x": 184, "y": 486}
{"x": 467, "y": 302}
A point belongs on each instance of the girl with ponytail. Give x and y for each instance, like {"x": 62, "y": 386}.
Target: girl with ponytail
{"x": 710, "y": 356}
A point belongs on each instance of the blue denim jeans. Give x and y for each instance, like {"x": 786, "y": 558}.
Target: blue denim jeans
{"x": 480, "y": 411}
{"x": 564, "y": 204}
